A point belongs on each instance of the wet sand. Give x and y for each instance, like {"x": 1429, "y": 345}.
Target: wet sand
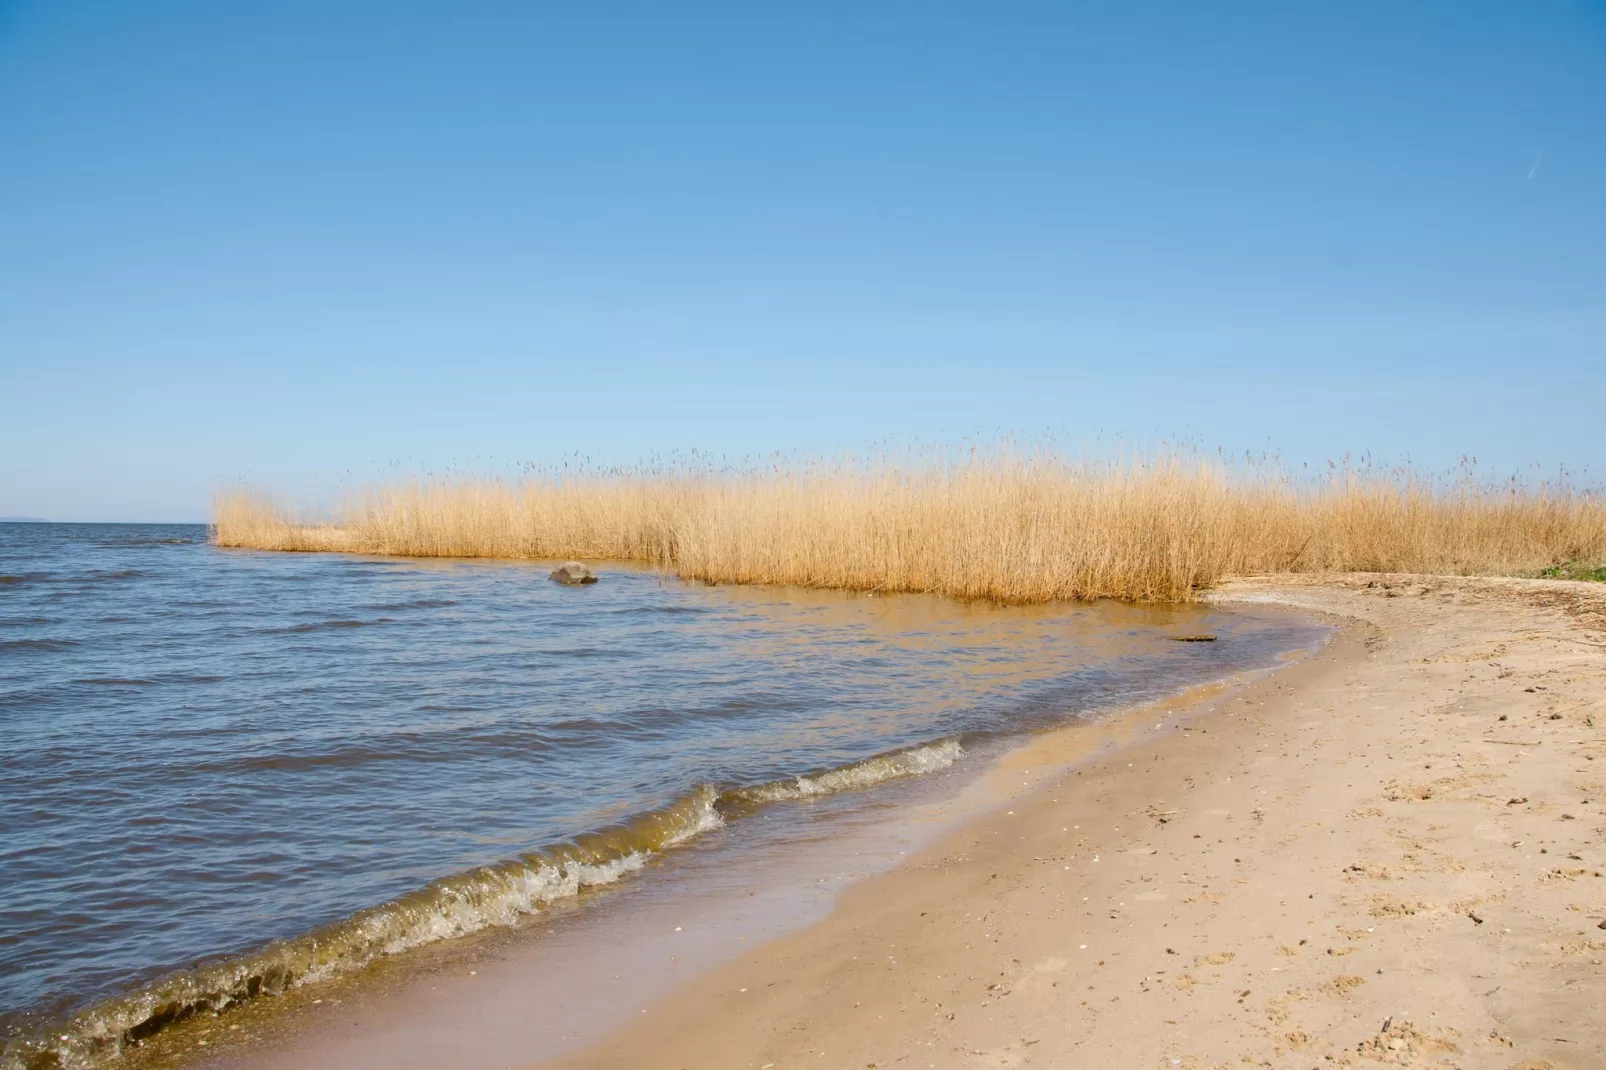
{"x": 1388, "y": 854}
{"x": 502, "y": 998}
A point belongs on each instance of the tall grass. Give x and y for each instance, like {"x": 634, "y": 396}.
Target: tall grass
{"x": 1013, "y": 526}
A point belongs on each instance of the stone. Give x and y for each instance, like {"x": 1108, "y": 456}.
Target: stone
{"x": 573, "y": 574}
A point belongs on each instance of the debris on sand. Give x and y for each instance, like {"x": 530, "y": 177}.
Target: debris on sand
{"x": 1402, "y": 1044}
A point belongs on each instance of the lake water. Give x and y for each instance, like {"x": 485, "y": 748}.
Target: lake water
{"x": 227, "y": 772}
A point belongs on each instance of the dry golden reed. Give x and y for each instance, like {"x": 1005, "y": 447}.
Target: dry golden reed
{"x": 1005, "y": 525}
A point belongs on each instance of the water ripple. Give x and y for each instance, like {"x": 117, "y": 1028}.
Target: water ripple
{"x": 221, "y": 757}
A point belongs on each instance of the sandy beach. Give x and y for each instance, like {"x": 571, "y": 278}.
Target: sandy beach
{"x": 1388, "y": 854}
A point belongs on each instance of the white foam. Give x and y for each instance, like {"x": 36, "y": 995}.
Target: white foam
{"x": 917, "y": 762}
{"x": 456, "y": 906}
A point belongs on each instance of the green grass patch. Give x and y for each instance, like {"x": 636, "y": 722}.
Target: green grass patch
{"x": 1572, "y": 570}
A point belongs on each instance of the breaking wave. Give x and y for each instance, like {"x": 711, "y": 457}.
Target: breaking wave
{"x": 916, "y": 761}
{"x": 499, "y": 894}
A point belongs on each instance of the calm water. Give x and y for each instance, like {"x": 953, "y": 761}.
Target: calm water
{"x": 225, "y": 772}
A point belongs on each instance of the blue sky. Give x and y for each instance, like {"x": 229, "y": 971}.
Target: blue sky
{"x": 306, "y": 243}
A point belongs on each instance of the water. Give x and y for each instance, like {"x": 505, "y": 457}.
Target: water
{"x": 227, "y": 772}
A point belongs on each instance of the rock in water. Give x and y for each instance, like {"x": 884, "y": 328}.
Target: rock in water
{"x": 572, "y": 574}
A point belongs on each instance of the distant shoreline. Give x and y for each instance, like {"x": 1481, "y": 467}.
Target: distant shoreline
{"x": 106, "y": 523}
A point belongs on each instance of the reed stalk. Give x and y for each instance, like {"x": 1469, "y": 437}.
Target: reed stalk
{"x": 1010, "y": 526}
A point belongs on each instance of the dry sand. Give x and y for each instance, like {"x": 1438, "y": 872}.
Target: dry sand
{"x": 1390, "y": 854}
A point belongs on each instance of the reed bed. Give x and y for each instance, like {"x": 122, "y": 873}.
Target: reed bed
{"x": 1004, "y": 526}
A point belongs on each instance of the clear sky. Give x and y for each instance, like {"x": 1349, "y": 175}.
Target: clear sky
{"x": 300, "y": 243}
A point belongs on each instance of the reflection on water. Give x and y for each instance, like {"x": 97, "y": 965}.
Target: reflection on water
{"x": 206, "y": 751}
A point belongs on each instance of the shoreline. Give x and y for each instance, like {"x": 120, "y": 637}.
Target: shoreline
{"x": 814, "y": 986}
{"x": 188, "y": 1035}
{"x": 472, "y": 1006}
{"x": 1349, "y": 865}
{"x": 468, "y": 1002}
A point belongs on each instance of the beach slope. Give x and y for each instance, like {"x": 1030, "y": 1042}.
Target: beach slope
{"x": 1389, "y": 854}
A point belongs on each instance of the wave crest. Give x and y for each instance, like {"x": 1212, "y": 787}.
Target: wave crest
{"x": 499, "y": 894}
{"x": 917, "y": 761}
{"x": 464, "y": 903}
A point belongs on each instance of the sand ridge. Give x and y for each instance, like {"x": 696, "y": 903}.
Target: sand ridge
{"x": 1389, "y": 854}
